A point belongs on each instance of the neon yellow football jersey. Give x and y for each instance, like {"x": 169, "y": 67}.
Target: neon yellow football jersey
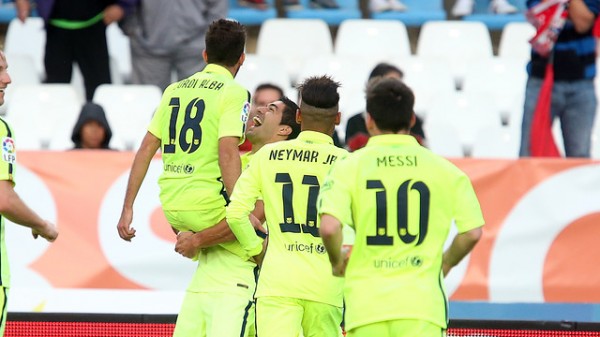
{"x": 288, "y": 175}
{"x": 401, "y": 200}
{"x": 192, "y": 116}
{"x": 7, "y": 172}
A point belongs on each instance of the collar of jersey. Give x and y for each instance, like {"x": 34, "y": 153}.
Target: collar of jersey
{"x": 217, "y": 69}
{"x": 315, "y": 137}
{"x": 392, "y": 139}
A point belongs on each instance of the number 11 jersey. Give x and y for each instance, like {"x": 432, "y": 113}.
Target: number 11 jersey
{"x": 287, "y": 175}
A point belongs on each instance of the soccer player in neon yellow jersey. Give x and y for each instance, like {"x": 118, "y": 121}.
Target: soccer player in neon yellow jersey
{"x": 273, "y": 122}
{"x": 198, "y": 125}
{"x": 12, "y": 207}
{"x": 401, "y": 199}
{"x": 295, "y": 291}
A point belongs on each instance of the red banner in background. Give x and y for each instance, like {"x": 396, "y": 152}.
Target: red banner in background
{"x": 539, "y": 243}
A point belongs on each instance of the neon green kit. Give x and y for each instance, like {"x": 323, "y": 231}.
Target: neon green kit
{"x": 7, "y": 172}
{"x": 401, "y": 200}
{"x": 287, "y": 176}
{"x": 191, "y": 178}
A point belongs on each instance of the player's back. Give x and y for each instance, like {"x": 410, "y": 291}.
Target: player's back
{"x": 403, "y": 199}
{"x": 193, "y": 114}
{"x": 296, "y": 264}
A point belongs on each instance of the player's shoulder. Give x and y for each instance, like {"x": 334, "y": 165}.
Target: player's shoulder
{"x": 5, "y": 129}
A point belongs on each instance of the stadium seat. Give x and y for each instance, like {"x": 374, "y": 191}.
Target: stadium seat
{"x": 430, "y": 80}
{"x": 119, "y": 51}
{"x": 494, "y": 142}
{"x": 466, "y": 114}
{"x": 27, "y": 38}
{"x": 419, "y": 12}
{"x": 7, "y": 11}
{"x": 294, "y": 41}
{"x": 349, "y": 9}
{"x": 514, "y": 41}
{"x": 251, "y": 16}
{"x": 364, "y": 37}
{"x": 351, "y": 72}
{"x": 22, "y": 72}
{"x": 129, "y": 109}
{"x": 503, "y": 79}
{"x": 443, "y": 139}
{"x": 481, "y": 13}
{"x": 458, "y": 43}
{"x": 262, "y": 69}
{"x": 40, "y": 113}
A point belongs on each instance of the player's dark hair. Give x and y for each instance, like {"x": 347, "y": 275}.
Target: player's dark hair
{"x": 320, "y": 92}
{"x": 383, "y": 69}
{"x": 270, "y": 86}
{"x": 225, "y": 42}
{"x": 288, "y": 117}
{"x": 390, "y": 103}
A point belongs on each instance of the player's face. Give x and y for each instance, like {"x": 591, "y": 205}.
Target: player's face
{"x": 92, "y": 135}
{"x": 261, "y": 99}
{"x": 4, "y": 77}
{"x": 267, "y": 122}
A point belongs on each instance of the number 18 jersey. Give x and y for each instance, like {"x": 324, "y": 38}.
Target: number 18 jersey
{"x": 288, "y": 175}
{"x": 193, "y": 115}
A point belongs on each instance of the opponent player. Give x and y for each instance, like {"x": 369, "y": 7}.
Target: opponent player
{"x": 199, "y": 125}
{"x": 401, "y": 199}
{"x": 295, "y": 292}
{"x": 12, "y": 206}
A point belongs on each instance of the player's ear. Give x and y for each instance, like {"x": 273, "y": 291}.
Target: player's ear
{"x": 284, "y": 130}
{"x": 413, "y": 120}
{"x": 242, "y": 59}
{"x": 298, "y": 116}
{"x": 205, "y": 56}
{"x": 369, "y": 122}
{"x": 338, "y": 118}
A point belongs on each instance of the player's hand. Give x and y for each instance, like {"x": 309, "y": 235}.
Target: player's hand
{"x": 49, "y": 232}
{"x": 123, "y": 227}
{"x": 258, "y": 259}
{"x": 257, "y": 224}
{"x": 339, "y": 269}
{"x": 113, "y": 13}
{"x": 186, "y": 244}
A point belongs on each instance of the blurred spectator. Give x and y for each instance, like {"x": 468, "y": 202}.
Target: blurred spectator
{"x": 91, "y": 130}
{"x": 573, "y": 64}
{"x": 356, "y": 130}
{"x": 168, "y": 36}
{"x": 377, "y": 6}
{"x": 76, "y": 32}
{"x": 465, "y": 7}
{"x": 263, "y": 95}
{"x": 324, "y": 4}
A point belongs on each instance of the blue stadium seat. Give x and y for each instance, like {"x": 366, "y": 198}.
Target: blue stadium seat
{"x": 250, "y": 16}
{"x": 348, "y": 10}
{"x": 7, "y": 11}
{"x": 419, "y": 12}
{"x": 495, "y": 21}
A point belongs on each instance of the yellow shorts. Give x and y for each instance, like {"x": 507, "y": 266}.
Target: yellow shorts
{"x": 197, "y": 221}
{"x": 3, "y": 300}
{"x": 215, "y": 315}
{"x": 399, "y": 327}
{"x": 289, "y": 317}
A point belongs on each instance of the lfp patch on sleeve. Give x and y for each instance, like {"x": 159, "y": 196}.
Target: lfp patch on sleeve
{"x": 9, "y": 154}
{"x": 245, "y": 112}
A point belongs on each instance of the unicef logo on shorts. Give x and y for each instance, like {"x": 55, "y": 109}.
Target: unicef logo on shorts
{"x": 188, "y": 169}
{"x": 320, "y": 249}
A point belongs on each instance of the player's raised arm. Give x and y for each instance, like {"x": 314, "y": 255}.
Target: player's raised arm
{"x": 144, "y": 155}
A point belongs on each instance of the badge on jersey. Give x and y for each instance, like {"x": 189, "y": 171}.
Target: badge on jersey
{"x": 244, "y": 115}
{"x": 9, "y": 153}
